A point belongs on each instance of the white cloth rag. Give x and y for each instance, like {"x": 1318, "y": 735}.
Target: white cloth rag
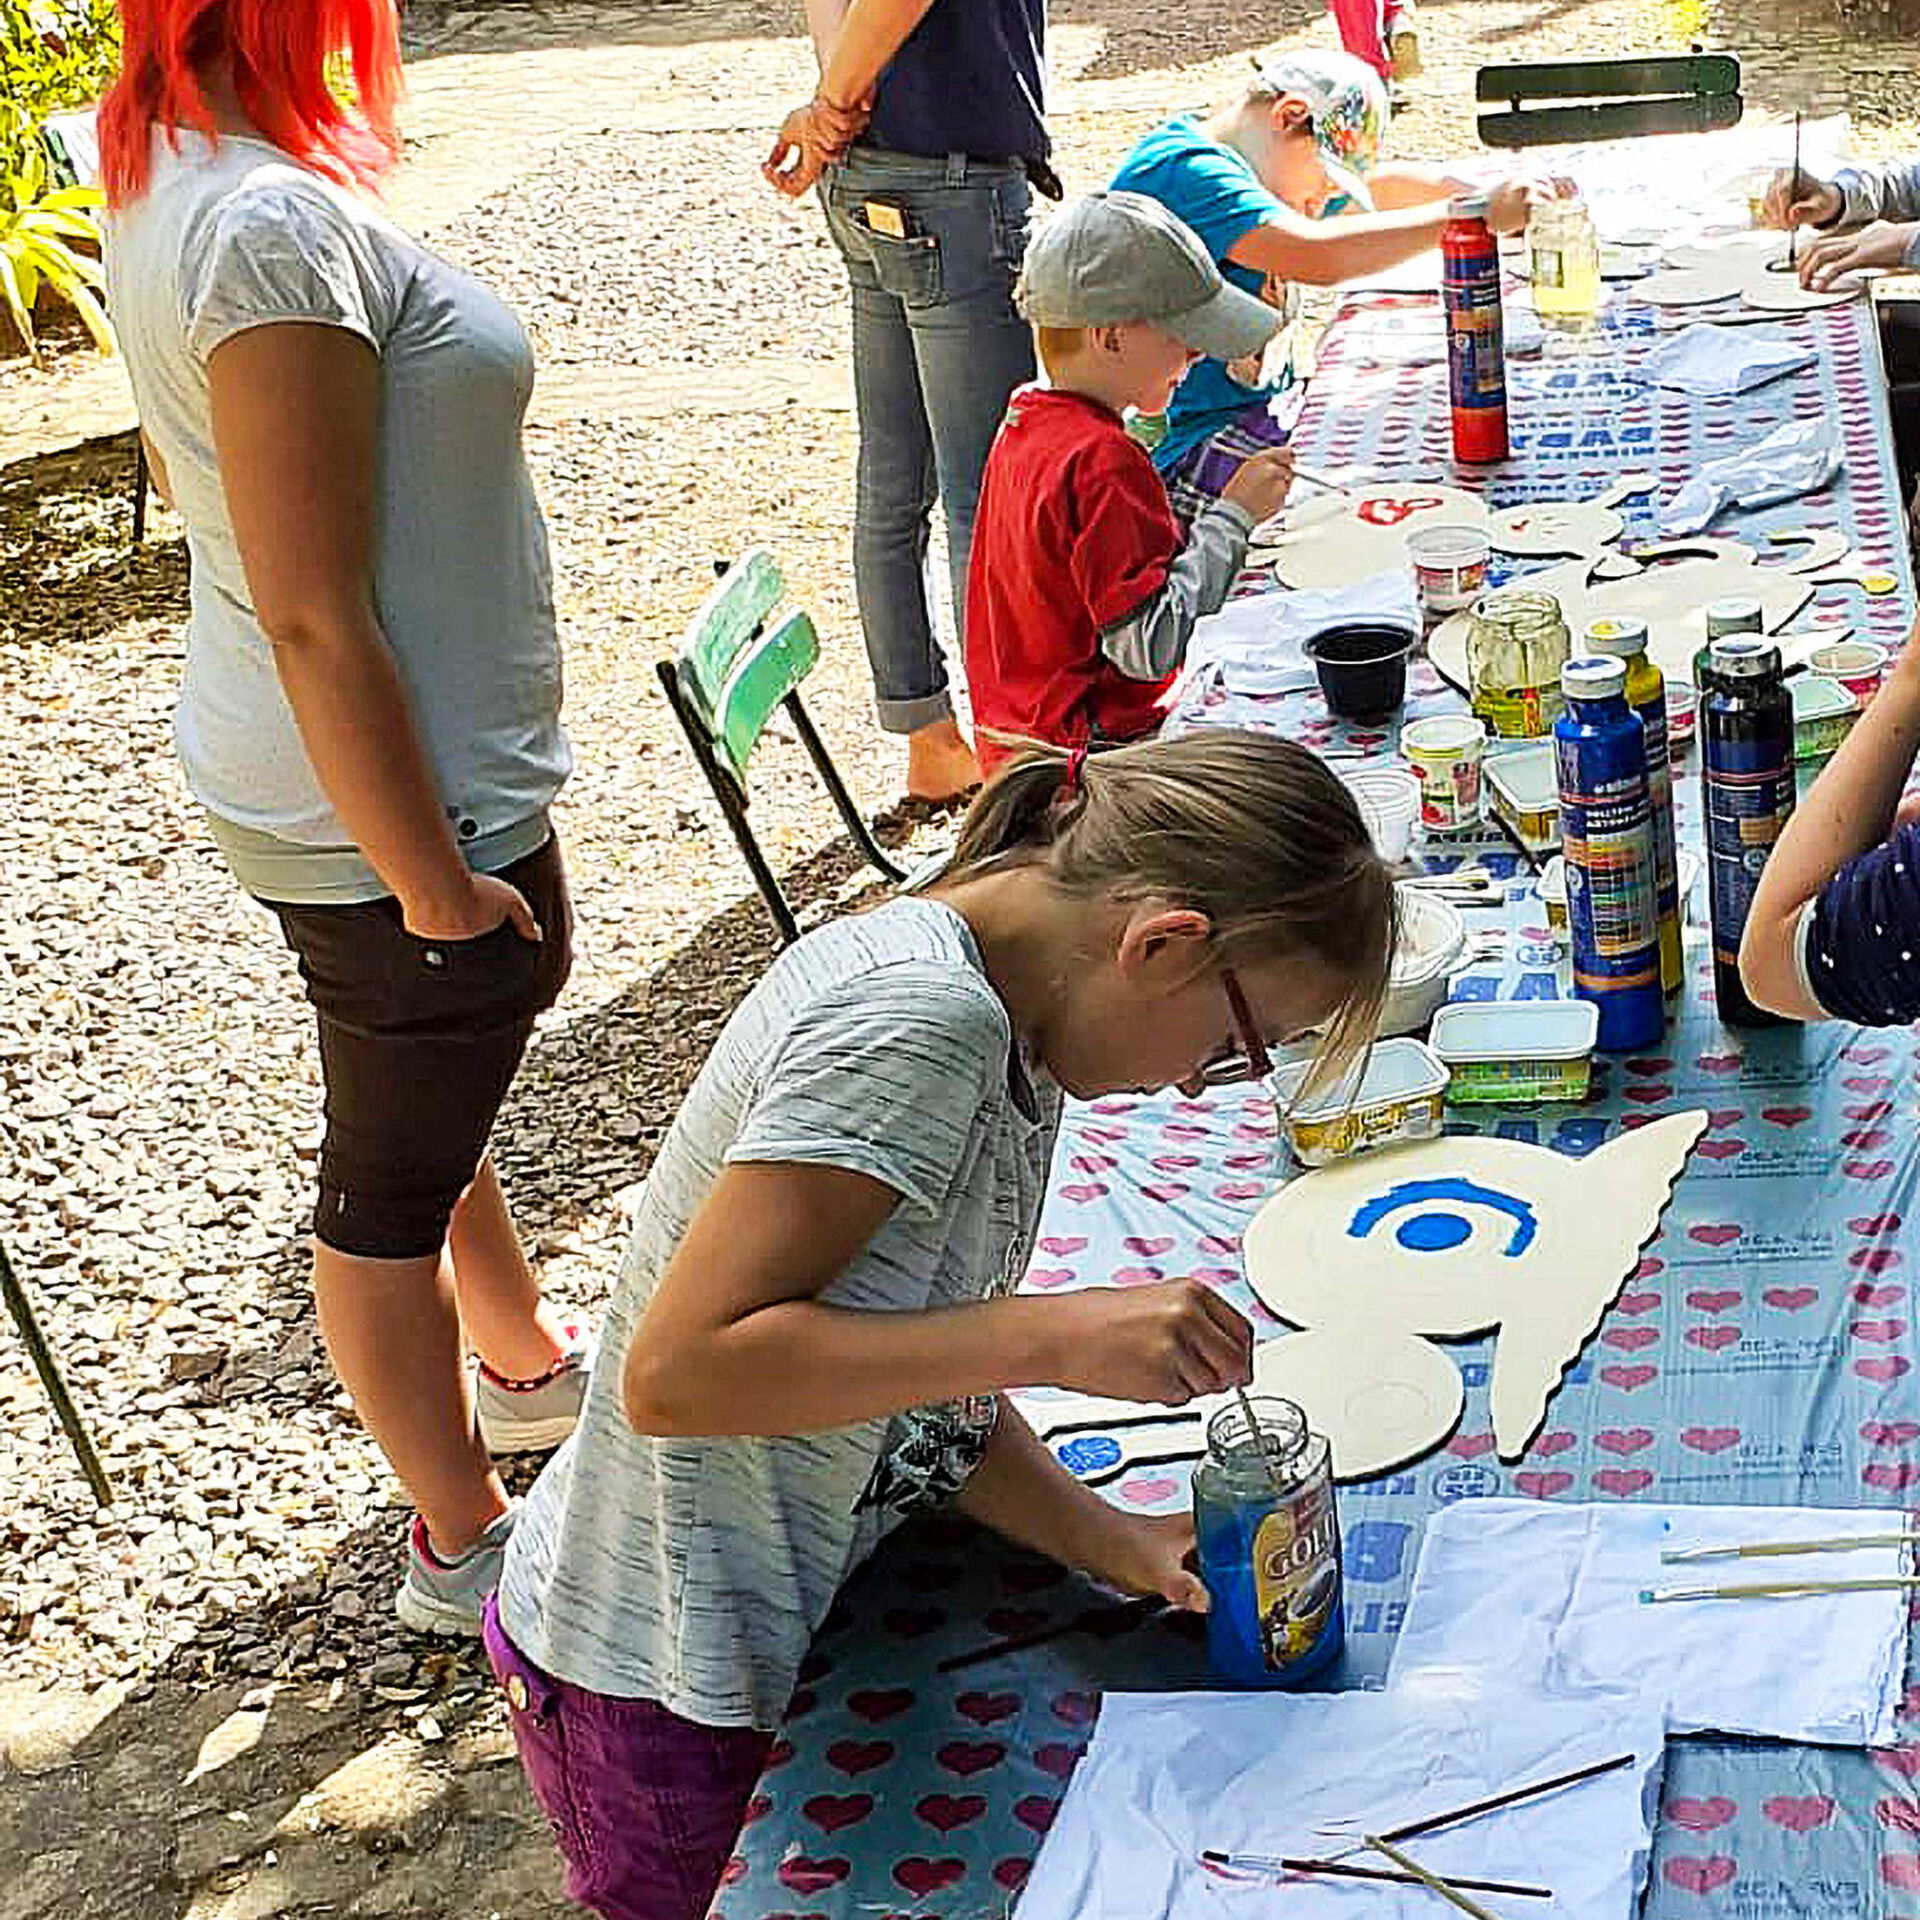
{"x": 1722, "y": 360}
{"x": 1800, "y": 457}
{"x": 1544, "y": 1595}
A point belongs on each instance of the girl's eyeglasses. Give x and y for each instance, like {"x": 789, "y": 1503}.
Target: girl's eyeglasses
{"x": 1250, "y": 1060}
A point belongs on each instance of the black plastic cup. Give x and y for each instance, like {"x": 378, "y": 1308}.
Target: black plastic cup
{"x": 1363, "y": 667}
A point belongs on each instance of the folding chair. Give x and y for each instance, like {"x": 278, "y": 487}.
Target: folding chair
{"x": 21, "y": 1308}
{"x": 732, "y": 673}
{"x": 1609, "y": 99}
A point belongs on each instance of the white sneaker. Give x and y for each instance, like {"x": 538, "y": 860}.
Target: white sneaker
{"x": 531, "y": 1417}
{"x": 445, "y": 1596}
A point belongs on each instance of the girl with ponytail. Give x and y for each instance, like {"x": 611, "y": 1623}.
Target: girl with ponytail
{"x": 816, "y": 1322}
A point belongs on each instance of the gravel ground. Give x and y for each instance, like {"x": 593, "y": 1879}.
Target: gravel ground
{"x": 158, "y": 1103}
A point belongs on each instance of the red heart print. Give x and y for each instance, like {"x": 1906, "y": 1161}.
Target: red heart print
{"x": 856, "y": 1757}
{"x": 1076, "y": 1709}
{"x": 968, "y": 1757}
{"x": 1710, "y": 1439}
{"x": 1890, "y": 1433}
{"x": 1891, "y": 1478}
{"x": 1871, "y": 1226}
{"x": 1869, "y": 1113}
{"x": 875, "y": 1704}
{"x": 1701, "y": 1816}
{"x": 832, "y": 1811}
{"x": 1219, "y": 1243}
{"x": 1542, "y": 1486}
{"x": 1648, "y": 1267}
{"x": 1047, "y": 1278}
{"x": 1081, "y": 1191}
{"x": 803, "y": 1875}
{"x": 1232, "y": 1190}
{"x": 1216, "y": 1276}
{"x": 1630, "y": 1339}
{"x": 1137, "y": 1276}
{"x": 1718, "y": 1235}
{"x": 1012, "y": 1874}
{"x": 1649, "y": 1066}
{"x": 1865, "y": 1139}
{"x": 913, "y": 1623}
{"x": 1166, "y": 1192}
{"x": 1470, "y": 1446}
{"x": 1108, "y": 1134}
{"x": 1636, "y": 1303}
{"x": 734, "y": 1871}
{"x": 1623, "y": 1481}
{"x": 1799, "y": 1812}
{"x": 1898, "y": 1816}
{"x": 1176, "y": 1162}
{"x": 1058, "y": 1758}
{"x": 1036, "y": 1811}
{"x": 1901, "y": 1870}
{"x": 1707, "y": 1875}
{"x": 946, "y": 1812}
{"x": 1093, "y": 1163}
{"x": 1904, "y": 1761}
{"x": 1866, "y": 1169}
{"x": 1629, "y": 1379}
{"x": 983, "y": 1709}
{"x": 1148, "y": 1489}
{"x": 1883, "y": 1369}
{"x": 1549, "y": 1444}
{"x": 1113, "y": 1105}
{"x": 1786, "y": 1116}
{"x": 922, "y": 1877}
{"x": 1624, "y": 1440}
{"x": 1714, "y": 1300}
{"x": 1152, "y": 1249}
{"x": 1718, "y": 1117}
{"x": 1718, "y": 1063}
{"x": 1874, "y": 1259}
{"x": 1183, "y": 1130}
{"x": 1060, "y": 1245}
{"x": 1008, "y": 1621}
{"x": 1648, "y": 1096}
{"x": 757, "y": 1809}
{"x": 1721, "y": 1149}
{"x": 1867, "y": 1083}
{"x": 1879, "y": 1332}
{"x": 1712, "y": 1338}
{"x": 1791, "y": 1299}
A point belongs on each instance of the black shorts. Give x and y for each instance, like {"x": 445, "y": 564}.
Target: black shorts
{"x": 419, "y": 1042}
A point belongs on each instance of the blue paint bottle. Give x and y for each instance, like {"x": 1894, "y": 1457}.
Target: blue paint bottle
{"x": 1606, "y": 829}
{"x": 1269, "y": 1547}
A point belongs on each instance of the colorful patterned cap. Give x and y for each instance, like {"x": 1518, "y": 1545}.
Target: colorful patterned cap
{"x": 1348, "y": 101}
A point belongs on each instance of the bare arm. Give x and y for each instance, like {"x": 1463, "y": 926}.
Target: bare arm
{"x": 1851, "y": 808}
{"x": 852, "y": 57}
{"x": 157, "y": 469}
{"x": 735, "y": 1339}
{"x": 296, "y": 411}
{"x": 1395, "y": 187}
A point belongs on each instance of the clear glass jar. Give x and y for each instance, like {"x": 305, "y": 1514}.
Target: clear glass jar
{"x": 1269, "y": 1546}
{"x": 1564, "y": 252}
{"x": 1517, "y": 642}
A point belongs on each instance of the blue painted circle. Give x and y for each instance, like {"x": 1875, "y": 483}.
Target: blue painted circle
{"x": 1433, "y": 1232}
{"x": 1089, "y": 1453}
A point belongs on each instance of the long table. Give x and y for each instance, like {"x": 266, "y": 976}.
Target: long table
{"x": 1763, "y": 1352}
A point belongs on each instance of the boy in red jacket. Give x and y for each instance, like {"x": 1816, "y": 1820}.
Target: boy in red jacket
{"x": 1082, "y": 597}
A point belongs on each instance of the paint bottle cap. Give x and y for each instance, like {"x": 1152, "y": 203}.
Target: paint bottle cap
{"x": 1739, "y": 656}
{"x": 1624, "y": 638}
{"x": 1468, "y": 206}
{"x": 1591, "y": 676}
{"x": 1738, "y": 613}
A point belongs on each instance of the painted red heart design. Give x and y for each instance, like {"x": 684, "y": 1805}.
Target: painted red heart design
{"x": 1058, "y": 1758}
{"x": 1193, "y": 1106}
{"x": 1879, "y": 1332}
{"x": 1898, "y": 1816}
{"x": 1701, "y": 1816}
{"x": 1113, "y": 1105}
{"x": 983, "y": 1709}
{"x": 1786, "y": 1116}
{"x": 1152, "y": 1249}
{"x": 1710, "y": 1439}
{"x": 1550, "y": 1444}
{"x": 1624, "y": 1440}
{"x": 1629, "y": 1379}
{"x": 1076, "y": 1709}
{"x": 1713, "y": 1299}
{"x": 1865, "y": 1139}
{"x": 1036, "y": 1811}
{"x": 1470, "y": 1446}
{"x": 1047, "y": 1278}
{"x": 875, "y": 1704}
{"x": 1394, "y": 508}
{"x": 1884, "y": 1369}
{"x": 1636, "y": 1303}
{"x": 1867, "y": 1169}
{"x": 968, "y": 1757}
{"x": 1721, "y": 1234}
{"x": 803, "y": 1875}
{"x": 1108, "y": 1134}
{"x": 832, "y": 1811}
{"x": 1081, "y": 1191}
{"x": 1718, "y": 1063}
{"x": 859, "y": 1756}
{"x": 1720, "y": 1149}
{"x": 1183, "y": 1130}
{"x": 1863, "y": 1055}
{"x": 1012, "y": 1874}
{"x": 1623, "y": 1481}
{"x": 1148, "y": 1489}
{"x": 1542, "y": 1486}
{"x": 1891, "y": 1478}
{"x": 1712, "y": 1338}
{"x": 922, "y": 1877}
{"x": 1875, "y": 1260}
{"x": 1871, "y": 1226}
{"x": 1902, "y": 1871}
{"x": 1791, "y": 1299}
{"x": 1890, "y": 1433}
{"x": 1060, "y": 1245}
{"x": 1137, "y": 1276}
{"x": 947, "y": 1812}
{"x": 1798, "y": 1812}
{"x": 1630, "y": 1339}
{"x": 1706, "y": 1875}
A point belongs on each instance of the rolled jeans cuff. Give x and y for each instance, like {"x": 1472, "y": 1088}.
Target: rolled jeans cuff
{"x": 909, "y": 716}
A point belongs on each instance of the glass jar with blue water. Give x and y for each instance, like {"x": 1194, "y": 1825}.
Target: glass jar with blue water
{"x": 1269, "y": 1546}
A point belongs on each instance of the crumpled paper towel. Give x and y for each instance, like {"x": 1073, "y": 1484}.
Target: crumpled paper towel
{"x": 1720, "y": 360}
{"x": 1800, "y": 457}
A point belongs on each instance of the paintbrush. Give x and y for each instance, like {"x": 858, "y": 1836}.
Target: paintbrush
{"x": 1763, "y": 1549}
{"x": 1781, "y": 1589}
{"x": 1446, "y": 1889}
{"x": 1455, "y": 1816}
{"x": 1344, "y": 1870}
{"x": 1121, "y": 1614}
{"x": 1793, "y": 192}
{"x": 1260, "y": 1441}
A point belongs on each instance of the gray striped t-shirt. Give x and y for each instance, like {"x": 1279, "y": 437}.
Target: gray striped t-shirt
{"x": 694, "y": 1572}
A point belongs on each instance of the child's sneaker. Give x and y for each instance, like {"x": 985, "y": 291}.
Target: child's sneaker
{"x": 529, "y": 1416}
{"x": 445, "y": 1596}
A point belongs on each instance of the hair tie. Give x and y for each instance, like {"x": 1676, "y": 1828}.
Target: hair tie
{"x": 1076, "y": 763}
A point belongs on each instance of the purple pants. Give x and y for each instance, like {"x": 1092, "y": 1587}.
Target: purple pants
{"x": 646, "y": 1806}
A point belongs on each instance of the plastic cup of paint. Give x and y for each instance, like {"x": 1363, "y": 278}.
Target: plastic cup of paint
{"x": 1362, "y": 666}
{"x": 1445, "y": 751}
{"x": 1449, "y": 566}
{"x": 1858, "y": 665}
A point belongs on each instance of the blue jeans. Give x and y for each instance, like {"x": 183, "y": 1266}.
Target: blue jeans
{"x": 937, "y": 349}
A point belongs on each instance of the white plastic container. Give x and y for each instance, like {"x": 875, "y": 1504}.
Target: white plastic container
{"x": 1402, "y": 1096}
{"x": 1525, "y": 789}
{"x": 1517, "y": 1051}
{"x": 1389, "y": 801}
{"x": 1433, "y": 944}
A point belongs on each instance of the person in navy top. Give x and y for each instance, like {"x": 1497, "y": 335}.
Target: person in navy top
{"x": 926, "y": 136}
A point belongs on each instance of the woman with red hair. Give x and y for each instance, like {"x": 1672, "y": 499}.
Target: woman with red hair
{"x": 370, "y": 713}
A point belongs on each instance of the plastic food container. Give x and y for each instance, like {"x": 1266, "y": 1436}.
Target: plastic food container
{"x": 1446, "y": 752}
{"x": 1449, "y": 565}
{"x": 1683, "y": 717}
{"x": 1525, "y": 788}
{"x": 1433, "y": 941}
{"x": 1552, "y": 889}
{"x": 1517, "y": 1050}
{"x": 1389, "y": 800}
{"x": 1823, "y": 715}
{"x": 1402, "y": 1096}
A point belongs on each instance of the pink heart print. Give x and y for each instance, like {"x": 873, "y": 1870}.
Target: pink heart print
{"x": 1707, "y": 1875}
{"x": 1629, "y": 1379}
{"x": 1799, "y": 1813}
{"x": 1710, "y": 1439}
{"x": 1712, "y": 1338}
{"x": 1624, "y": 1441}
{"x": 1701, "y": 1816}
{"x": 1151, "y": 1248}
{"x": 1791, "y": 1299}
{"x": 1623, "y": 1481}
{"x": 1718, "y": 1235}
{"x": 1714, "y": 1300}
{"x": 1542, "y": 1486}
{"x": 1636, "y": 1303}
{"x": 1886, "y": 1368}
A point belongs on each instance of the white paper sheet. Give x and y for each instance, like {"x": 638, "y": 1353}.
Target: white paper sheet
{"x": 1721, "y": 360}
{"x": 1259, "y": 640}
{"x": 1541, "y": 1595}
{"x": 1169, "y": 1776}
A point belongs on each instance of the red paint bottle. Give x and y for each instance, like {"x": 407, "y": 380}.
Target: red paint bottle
{"x": 1476, "y": 349}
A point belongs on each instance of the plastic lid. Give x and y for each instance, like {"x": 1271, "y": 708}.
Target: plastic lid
{"x": 1468, "y": 206}
{"x": 1738, "y": 613}
{"x": 1739, "y": 656}
{"x": 1622, "y": 638}
{"x": 1593, "y": 676}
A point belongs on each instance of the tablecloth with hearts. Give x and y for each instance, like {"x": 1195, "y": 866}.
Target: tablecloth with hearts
{"x": 1763, "y": 1351}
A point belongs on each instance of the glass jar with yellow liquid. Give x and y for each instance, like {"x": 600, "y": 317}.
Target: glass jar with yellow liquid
{"x": 1564, "y": 251}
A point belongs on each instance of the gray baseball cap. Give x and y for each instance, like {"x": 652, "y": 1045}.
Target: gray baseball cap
{"x": 1111, "y": 259}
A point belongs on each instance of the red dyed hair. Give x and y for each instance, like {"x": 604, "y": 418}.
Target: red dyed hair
{"x": 280, "y": 51}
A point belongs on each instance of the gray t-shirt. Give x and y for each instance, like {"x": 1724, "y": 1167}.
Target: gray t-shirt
{"x": 233, "y": 236}
{"x": 694, "y": 1572}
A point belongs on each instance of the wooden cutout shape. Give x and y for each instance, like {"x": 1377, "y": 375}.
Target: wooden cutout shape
{"x": 1459, "y": 1235}
{"x": 1820, "y": 550}
{"x": 1769, "y": 292}
{"x": 1341, "y": 538}
{"x": 1381, "y": 1402}
{"x": 1543, "y": 528}
{"x": 1681, "y": 287}
{"x": 1751, "y": 267}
